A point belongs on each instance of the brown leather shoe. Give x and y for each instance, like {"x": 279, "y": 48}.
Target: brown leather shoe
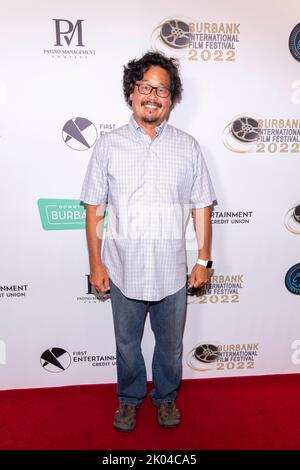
{"x": 168, "y": 414}
{"x": 124, "y": 419}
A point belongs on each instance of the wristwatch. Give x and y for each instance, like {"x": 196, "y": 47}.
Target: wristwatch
{"x": 207, "y": 263}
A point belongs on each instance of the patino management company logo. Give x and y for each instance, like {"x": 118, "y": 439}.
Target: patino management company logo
{"x": 292, "y": 219}
{"x": 254, "y": 134}
{"x": 213, "y": 355}
{"x": 292, "y": 279}
{"x": 91, "y": 296}
{"x": 294, "y": 42}
{"x": 81, "y": 134}
{"x": 59, "y": 360}
{"x": 67, "y": 40}
{"x": 197, "y": 40}
{"x": 221, "y": 289}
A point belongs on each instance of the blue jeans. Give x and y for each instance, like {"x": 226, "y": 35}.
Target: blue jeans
{"x": 167, "y": 317}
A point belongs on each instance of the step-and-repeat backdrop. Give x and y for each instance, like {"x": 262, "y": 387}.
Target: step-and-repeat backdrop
{"x": 61, "y": 89}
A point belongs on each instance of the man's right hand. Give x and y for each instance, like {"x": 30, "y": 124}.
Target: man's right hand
{"x": 99, "y": 278}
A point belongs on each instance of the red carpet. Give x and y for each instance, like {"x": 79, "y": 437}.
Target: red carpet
{"x": 232, "y": 413}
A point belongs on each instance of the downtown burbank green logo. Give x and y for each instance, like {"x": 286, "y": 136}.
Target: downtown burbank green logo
{"x": 61, "y": 214}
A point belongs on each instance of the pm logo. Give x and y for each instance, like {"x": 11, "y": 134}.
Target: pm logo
{"x": 92, "y": 291}
{"x": 65, "y": 30}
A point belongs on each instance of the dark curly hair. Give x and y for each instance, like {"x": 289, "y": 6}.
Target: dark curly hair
{"x": 135, "y": 70}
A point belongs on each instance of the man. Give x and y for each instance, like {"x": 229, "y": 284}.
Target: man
{"x": 150, "y": 175}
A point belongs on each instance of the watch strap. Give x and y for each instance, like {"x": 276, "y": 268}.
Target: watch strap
{"x": 207, "y": 263}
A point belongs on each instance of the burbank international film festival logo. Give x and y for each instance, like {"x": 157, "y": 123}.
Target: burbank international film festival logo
{"x": 196, "y": 40}
{"x": 214, "y": 355}
{"x": 59, "y": 360}
{"x": 221, "y": 289}
{"x": 68, "y": 40}
{"x": 245, "y": 134}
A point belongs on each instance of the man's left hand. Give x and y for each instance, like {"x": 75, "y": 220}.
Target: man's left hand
{"x": 199, "y": 276}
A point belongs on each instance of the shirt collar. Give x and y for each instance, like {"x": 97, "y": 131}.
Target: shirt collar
{"x": 134, "y": 125}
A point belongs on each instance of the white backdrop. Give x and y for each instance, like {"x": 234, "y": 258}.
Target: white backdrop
{"x": 63, "y": 60}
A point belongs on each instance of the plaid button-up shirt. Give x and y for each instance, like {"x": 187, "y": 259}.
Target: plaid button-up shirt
{"x": 149, "y": 187}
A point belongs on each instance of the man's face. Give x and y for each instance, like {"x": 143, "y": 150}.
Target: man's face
{"x": 151, "y": 108}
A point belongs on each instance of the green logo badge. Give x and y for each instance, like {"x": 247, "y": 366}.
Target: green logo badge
{"x": 61, "y": 214}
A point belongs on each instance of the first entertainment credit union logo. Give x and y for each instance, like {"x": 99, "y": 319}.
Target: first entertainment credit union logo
{"x": 55, "y": 360}
{"x": 79, "y": 133}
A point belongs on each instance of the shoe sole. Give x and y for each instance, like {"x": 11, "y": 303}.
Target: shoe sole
{"x": 123, "y": 430}
{"x": 163, "y": 425}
